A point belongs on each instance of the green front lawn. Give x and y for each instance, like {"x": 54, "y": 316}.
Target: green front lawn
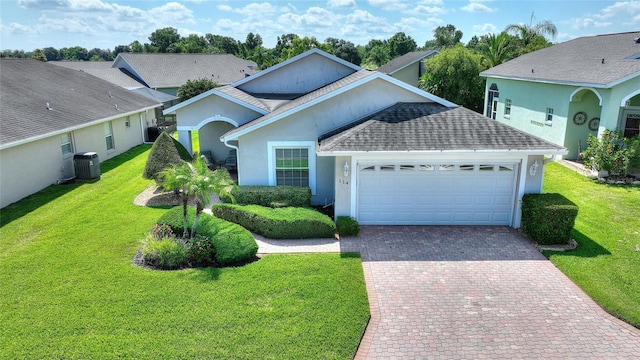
{"x": 69, "y": 288}
{"x": 606, "y": 264}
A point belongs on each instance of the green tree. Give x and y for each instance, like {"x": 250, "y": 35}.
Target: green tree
{"x": 137, "y": 47}
{"x": 252, "y": 42}
{"x": 300, "y": 45}
{"x": 52, "y": 54}
{"x": 378, "y": 56}
{"x": 262, "y": 57}
{"x": 38, "y": 55}
{"x": 223, "y": 44}
{"x": 446, "y": 36}
{"x": 527, "y": 33}
{"x": 197, "y": 181}
{"x": 195, "y": 87}
{"x": 497, "y": 49}
{"x": 473, "y": 43}
{"x": 536, "y": 43}
{"x": 345, "y": 50}
{"x": 74, "y": 53}
{"x": 400, "y": 44}
{"x": 161, "y": 39}
{"x": 453, "y": 74}
{"x": 121, "y": 49}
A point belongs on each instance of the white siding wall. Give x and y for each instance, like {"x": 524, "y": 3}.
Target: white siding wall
{"x": 29, "y": 168}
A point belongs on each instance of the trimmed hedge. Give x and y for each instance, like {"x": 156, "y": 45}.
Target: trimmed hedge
{"x": 272, "y": 196}
{"x": 233, "y": 244}
{"x": 278, "y": 223}
{"x": 165, "y": 151}
{"x": 347, "y": 226}
{"x": 548, "y": 218}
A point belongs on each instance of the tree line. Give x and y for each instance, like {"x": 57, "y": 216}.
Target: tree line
{"x": 452, "y": 74}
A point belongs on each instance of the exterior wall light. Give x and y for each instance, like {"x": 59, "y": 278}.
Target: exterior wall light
{"x": 534, "y": 168}
{"x": 346, "y": 168}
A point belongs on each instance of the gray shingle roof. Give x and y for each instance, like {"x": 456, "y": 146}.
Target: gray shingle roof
{"x": 76, "y": 99}
{"x": 242, "y": 96}
{"x": 578, "y": 61}
{"x": 287, "y": 105}
{"x": 405, "y": 60}
{"x": 104, "y": 71}
{"x": 430, "y": 127}
{"x": 173, "y": 70}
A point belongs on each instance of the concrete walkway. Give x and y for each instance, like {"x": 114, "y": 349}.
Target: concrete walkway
{"x": 452, "y": 292}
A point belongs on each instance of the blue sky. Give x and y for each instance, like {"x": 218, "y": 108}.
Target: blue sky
{"x": 31, "y": 24}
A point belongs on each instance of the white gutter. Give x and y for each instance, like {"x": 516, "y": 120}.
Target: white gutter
{"x": 360, "y": 153}
{"x": 237, "y": 155}
{"x": 73, "y": 128}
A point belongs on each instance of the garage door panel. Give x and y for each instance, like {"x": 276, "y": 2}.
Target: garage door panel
{"x": 444, "y": 195}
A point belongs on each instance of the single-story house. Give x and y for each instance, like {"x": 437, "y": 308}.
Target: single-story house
{"x": 408, "y": 67}
{"x": 167, "y": 72}
{"x": 378, "y": 149}
{"x": 567, "y": 91}
{"x": 49, "y": 113}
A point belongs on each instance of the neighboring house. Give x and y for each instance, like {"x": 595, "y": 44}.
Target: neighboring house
{"x": 48, "y": 113}
{"x": 383, "y": 151}
{"x": 105, "y": 71}
{"x": 167, "y": 72}
{"x": 408, "y": 67}
{"x": 570, "y": 90}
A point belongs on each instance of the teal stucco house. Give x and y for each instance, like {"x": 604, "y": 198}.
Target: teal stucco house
{"x": 567, "y": 91}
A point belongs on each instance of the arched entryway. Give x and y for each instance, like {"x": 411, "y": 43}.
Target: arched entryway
{"x": 585, "y": 109}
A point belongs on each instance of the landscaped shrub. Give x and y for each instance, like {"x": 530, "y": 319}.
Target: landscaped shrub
{"x": 165, "y": 152}
{"x": 612, "y": 153}
{"x": 347, "y": 226}
{"x": 278, "y": 223}
{"x": 163, "y": 253}
{"x": 201, "y": 251}
{"x": 548, "y": 218}
{"x": 232, "y": 243}
{"x": 273, "y": 196}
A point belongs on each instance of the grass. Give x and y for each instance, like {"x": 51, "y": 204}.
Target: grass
{"x": 606, "y": 264}
{"x": 69, "y": 288}
{"x": 195, "y": 140}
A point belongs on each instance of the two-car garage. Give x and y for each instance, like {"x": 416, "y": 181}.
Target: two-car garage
{"x": 430, "y": 193}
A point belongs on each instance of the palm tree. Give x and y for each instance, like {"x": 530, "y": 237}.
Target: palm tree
{"x": 529, "y": 32}
{"x": 496, "y": 49}
{"x": 195, "y": 179}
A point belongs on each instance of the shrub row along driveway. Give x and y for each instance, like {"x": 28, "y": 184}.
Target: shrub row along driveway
{"x": 476, "y": 292}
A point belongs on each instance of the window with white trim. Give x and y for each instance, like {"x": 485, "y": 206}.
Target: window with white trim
{"x": 66, "y": 144}
{"x": 108, "y": 135}
{"x": 292, "y": 163}
{"x": 549, "y": 119}
{"x": 507, "y": 107}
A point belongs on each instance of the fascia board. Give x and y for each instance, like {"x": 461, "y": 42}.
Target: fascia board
{"x": 440, "y": 152}
{"x": 76, "y": 127}
{"x": 120, "y": 59}
{"x": 209, "y": 93}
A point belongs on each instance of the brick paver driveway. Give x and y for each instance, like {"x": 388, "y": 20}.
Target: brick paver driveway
{"x": 474, "y": 293}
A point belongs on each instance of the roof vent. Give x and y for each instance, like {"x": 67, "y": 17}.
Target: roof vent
{"x": 110, "y": 94}
{"x": 637, "y": 40}
{"x": 48, "y": 106}
{"x": 603, "y": 60}
{"x": 117, "y": 107}
{"x": 532, "y": 71}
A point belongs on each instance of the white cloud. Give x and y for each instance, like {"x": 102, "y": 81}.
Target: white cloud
{"x": 485, "y": 28}
{"x": 390, "y": 5}
{"x": 426, "y": 10}
{"x": 333, "y": 4}
{"x": 16, "y": 29}
{"x": 622, "y": 7}
{"x": 585, "y": 23}
{"x": 477, "y": 6}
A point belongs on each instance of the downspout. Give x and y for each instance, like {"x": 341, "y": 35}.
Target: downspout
{"x": 237, "y": 155}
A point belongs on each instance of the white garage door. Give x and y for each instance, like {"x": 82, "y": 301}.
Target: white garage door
{"x": 436, "y": 194}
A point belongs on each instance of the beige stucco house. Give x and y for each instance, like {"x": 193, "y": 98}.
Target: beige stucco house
{"x": 380, "y": 150}
{"x": 49, "y": 113}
